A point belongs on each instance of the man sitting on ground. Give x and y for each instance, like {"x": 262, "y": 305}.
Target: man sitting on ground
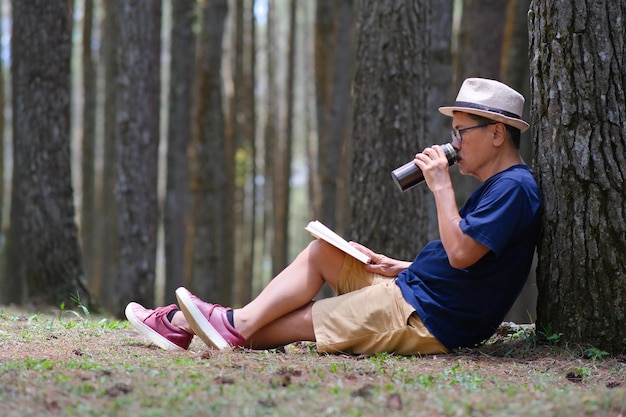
{"x": 454, "y": 294}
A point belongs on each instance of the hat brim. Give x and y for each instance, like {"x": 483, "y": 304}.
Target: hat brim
{"x": 511, "y": 121}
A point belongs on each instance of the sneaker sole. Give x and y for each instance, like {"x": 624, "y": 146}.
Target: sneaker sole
{"x": 199, "y": 324}
{"x": 146, "y": 331}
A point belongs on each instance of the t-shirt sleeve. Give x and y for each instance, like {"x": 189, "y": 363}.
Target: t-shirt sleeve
{"x": 497, "y": 216}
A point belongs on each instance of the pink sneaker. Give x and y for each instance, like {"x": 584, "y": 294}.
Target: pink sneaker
{"x": 209, "y": 321}
{"x": 155, "y": 326}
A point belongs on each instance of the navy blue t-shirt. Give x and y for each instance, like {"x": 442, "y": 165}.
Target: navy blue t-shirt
{"x": 463, "y": 307}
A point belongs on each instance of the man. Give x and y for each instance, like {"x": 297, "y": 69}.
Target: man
{"x": 454, "y": 294}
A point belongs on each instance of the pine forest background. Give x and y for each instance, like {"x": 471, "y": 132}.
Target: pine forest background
{"x": 202, "y": 136}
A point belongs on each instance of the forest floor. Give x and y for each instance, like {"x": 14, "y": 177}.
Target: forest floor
{"x": 68, "y": 363}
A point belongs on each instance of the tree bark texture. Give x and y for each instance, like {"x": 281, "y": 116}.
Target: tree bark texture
{"x": 334, "y": 68}
{"x": 578, "y": 84}
{"x": 137, "y": 140}
{"x": 441, "y": 91}
{"x": 44, "y": 251}
{"x": 242, "y": 126}
{"x": 270, "y": 136}
{"x": 175, "y": 216}
{"x": 212, "y": 253}
{"x": 481, "y": 39}
{"x": 282, "y": 170}
{"x": 105, "y": 271}
{"x": 390, "y": 93}
{"x": 515, "y": 65}
{"x": 89, "y": 239}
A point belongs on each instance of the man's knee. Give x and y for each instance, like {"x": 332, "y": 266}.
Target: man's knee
{"x": 319, "y": 249}
{"x": 327, "y": 260}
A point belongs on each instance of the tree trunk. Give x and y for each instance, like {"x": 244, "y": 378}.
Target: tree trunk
{"x": 441, "y": 91}
{"x": 175, "y": 217}
{"x": 242, "y": 126}
{"x": 137, "y": 140}
{"x": 44, "y": 250}
{"x": 107, "y": 259}
{"x": 578, "y": 85}
{"x": 515, "y": 63}
{"x": 270, "y": 135}
{"x": 334, "y": 65}
{"x": 282, "y": 170}
{"x": 212, "y": 254}
{"x": 88, "y": 208}
{"x": 390, "y": 93}
{"x": 480, "y": 39}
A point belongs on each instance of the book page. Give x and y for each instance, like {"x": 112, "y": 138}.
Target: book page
{"x": 320, "y": 231}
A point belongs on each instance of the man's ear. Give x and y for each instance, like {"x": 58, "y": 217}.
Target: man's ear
{"x": 499, "y": 134}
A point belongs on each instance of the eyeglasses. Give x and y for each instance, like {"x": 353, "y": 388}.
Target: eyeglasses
{"x": 456, "y": 133}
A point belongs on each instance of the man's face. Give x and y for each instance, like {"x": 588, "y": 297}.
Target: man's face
{"x": 474, "y": 147}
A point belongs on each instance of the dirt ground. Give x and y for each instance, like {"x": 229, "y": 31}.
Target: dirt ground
{"x": 60, "y": 364}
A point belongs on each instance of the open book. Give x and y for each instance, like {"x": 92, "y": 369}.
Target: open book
{"x": 320, "y": 231}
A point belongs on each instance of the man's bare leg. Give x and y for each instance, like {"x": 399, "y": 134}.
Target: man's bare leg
{"x": 281, "y": 313}
{"x": 296, "y": 326}
{"x": 293, "y": 288}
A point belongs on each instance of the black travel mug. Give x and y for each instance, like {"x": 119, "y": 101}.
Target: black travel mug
{"x": 409, "y": 175}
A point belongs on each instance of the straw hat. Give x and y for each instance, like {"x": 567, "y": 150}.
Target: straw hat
{"x": 490, "y": 99}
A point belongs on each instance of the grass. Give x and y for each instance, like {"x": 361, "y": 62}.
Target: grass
{"x": 67, "y": 363}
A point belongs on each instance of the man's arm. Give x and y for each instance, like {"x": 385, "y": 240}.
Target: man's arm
{"x": 462, "y": 250}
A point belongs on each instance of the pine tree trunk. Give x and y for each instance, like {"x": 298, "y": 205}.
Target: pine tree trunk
{"x": 334, "y": 67}
{"x": 390, "y": 95}
{"x": 242, "y": 126}
{"x": 137, "y": 140}
{"x": 282, "y": 170}
{"x": 441, "y": 90}
{"x": 175, "y": 216}
{"x": 89, "y": 240}
{"x": 212, "y": 253}
{"x": 578, "y": 87}
{"x": 270, "y": 135}
{"x": 106, "y": 261}
{"x": 480, "y": 39}
{"x": 44, "y": 252}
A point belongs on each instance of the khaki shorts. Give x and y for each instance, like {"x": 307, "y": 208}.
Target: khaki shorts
{"x": 369, "y": 315}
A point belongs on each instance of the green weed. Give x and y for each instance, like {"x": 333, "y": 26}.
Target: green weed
{"x": 595, "y": 354}
{"x": 549, "y": 336}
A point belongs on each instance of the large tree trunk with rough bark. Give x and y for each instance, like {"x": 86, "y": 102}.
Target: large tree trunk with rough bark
{"x": 43, "y": 254}
{"x": 578, "y": 86}
{"x": 390, "y": 95}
